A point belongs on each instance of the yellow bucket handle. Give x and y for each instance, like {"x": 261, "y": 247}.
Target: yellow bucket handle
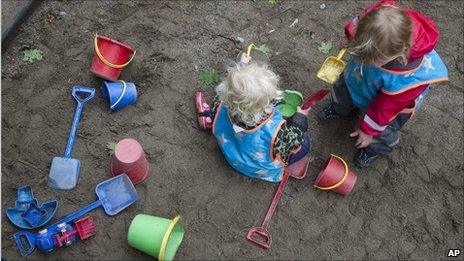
{"x": 166, "y": 236}
{"x": 341, "y": 180}
{"x": 116, "y": 66}
{"x": 251, "y": 46}
{"x": 341, "y": 53}
{"x": 122, "y": 94}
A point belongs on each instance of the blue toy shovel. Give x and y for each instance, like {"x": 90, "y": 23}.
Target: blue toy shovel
{"x": 114, "y": 194}
{"x": 65, "y": 171}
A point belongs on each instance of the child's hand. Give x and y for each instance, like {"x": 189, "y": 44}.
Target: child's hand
{"x": 245, "y": 58}
{"x": 304, "y": 112}
{"x": 363, "y": 140}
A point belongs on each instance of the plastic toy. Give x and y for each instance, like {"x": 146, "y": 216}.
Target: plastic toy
{"x": 129, "y": 158}
{"x": 114, "y": 194}
{"x": 28, "y": 214}
{"x": 313, "y": 99}
{"x": 291, "y": 100}
{"x": 260, "y": 235}
{"x": 332, "y": 68}
{"x": 110, "y": 57}
{"x": 255, "y": 54}
{"x": 120, "y": 94}
{"x": 156, "y": 236}
{"x": 336, "y": 176}
{"x": 62, "y": 234}
{"x": 25, "y": 198}
{"x": 204, "y": 120}
{"x": 64, "y": 171}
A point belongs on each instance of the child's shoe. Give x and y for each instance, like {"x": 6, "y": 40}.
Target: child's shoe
{"x": 365, "y": 157}
{"x": 204, "y": 111}
{"x": 328, "y": 113}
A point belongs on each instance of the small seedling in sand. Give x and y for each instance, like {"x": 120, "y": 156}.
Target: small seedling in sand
{"x": 272, "y": 2}
{"x": 209, "y": 76}
{"x": 110, "y": 146}
{"x": 264, "y": 48}
{"x": 32, "y": 55}
{"x": 325, "y": 47}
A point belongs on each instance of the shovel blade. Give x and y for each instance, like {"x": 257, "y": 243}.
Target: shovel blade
{"x": 298, "y": 169}
{"x": 64, "y": 173}
{"x": 331, "y": 70}
{"x": 116, "y": 194}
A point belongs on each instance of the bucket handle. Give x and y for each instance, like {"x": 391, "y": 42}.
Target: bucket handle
{"x": 251, "y": 46}
{"x": 122, "y": 95}
{"x": 248, "y": 50}
{"x": 341, "y": 180}
{"x": 166, "y": 236}
{"x": 116, "y": 66}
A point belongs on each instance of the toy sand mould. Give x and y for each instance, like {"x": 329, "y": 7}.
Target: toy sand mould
{"x": 332, "y": 68}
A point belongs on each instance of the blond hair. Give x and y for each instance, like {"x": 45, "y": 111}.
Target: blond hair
{"x": 382, "y": 35}
{"x": 248, "y": 91}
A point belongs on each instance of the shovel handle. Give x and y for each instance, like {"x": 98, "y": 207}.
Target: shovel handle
{"x": 341, "y": 53}
{"x": 77, "y": 214}
{"x": 29, "y": 238}
{"x": 90, "y": 92}
{"x": 260, "y": 236}
{"x": 313, "y": 99}
{"x": 251, "y": 46}
{"x": 275, "y": 201}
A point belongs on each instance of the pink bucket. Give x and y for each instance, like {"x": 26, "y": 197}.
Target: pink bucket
{"x": 129, "y": 158}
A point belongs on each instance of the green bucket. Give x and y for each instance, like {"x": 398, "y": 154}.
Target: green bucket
{"x": 156, "y": 236}
{"x": 291, "y": 100}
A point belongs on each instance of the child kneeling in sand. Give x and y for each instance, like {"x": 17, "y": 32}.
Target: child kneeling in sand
{"x": 251, "y": 132}
{"x": 392, "y": 66}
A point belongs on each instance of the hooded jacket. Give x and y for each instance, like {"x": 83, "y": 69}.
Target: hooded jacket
{"x": 385, "y": 107}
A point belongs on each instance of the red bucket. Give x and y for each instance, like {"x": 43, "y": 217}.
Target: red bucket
{"x": 110, "y": 57}
{"x": 336, "y": 176}
{"x": 129, "y": 158}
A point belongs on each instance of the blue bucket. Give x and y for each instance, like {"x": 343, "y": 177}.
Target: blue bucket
{"x": 120, "y": 94}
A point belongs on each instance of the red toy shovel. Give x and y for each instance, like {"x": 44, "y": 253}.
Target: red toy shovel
{"x": 260, "y": 235}
{"x": 313, "y": 99}
{"x": 297, "y": 170}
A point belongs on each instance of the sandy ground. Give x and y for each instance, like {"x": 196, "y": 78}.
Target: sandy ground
{"x": 8, "y": 7}
{"x": 407, "y": 206}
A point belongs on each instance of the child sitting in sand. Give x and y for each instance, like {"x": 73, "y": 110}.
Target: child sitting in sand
{"x": 393, "y": 63}
{"x": 250, "y": 131}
